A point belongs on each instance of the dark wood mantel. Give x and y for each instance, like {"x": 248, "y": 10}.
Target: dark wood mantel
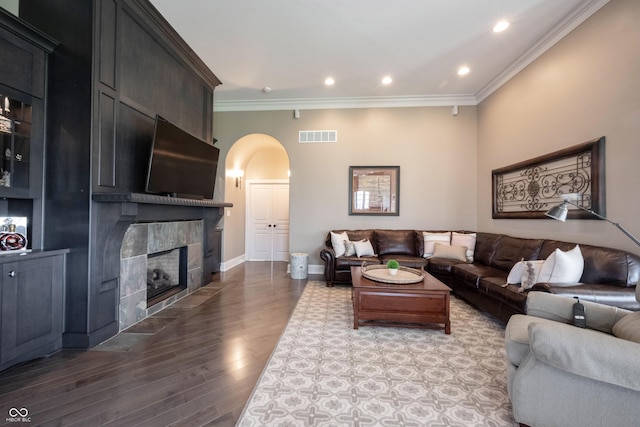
{"x": 112, "y": 215}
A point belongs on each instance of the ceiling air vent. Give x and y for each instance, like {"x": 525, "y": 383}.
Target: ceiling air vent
{"x": 309, "y": 136}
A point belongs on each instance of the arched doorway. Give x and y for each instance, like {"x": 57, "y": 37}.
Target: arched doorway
{"x": 257, "y": 183}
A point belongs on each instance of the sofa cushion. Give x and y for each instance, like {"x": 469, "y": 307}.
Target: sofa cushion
{"x": 470, "y": 274}
{"x": 441, "y": 266}
{"x": 509, "y": 295}
{"x": 512, "y": 249}
{"x": 406, "y": 261}
{"x": 400, "y": 242}
{"x": 346, "y": 262}
{"x": 486, "y": 244}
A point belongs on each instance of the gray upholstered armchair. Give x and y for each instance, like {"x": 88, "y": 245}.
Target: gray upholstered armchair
{"x": 562, "y": 375}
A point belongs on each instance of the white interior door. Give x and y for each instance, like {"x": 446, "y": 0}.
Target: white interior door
{"x": 268, "y": 222}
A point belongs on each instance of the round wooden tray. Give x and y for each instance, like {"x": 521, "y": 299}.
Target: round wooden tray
{"x": 380, "y": 273}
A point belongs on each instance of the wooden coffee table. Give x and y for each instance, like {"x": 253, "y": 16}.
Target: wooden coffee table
{"x": 424, "y": 304}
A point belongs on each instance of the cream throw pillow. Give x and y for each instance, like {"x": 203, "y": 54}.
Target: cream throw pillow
{"x": 465, "y": 239}
{"x": 337, "y": 242}
{"x": 430, "y": 239}
{"x": 515, "y": 275}
{"x": 562, "y": 267}
{"x": 458, "y": 253}
{"x": 363, "y": 248}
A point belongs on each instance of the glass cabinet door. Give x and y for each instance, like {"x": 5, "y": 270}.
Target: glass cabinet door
{"x": 15, "y": 142}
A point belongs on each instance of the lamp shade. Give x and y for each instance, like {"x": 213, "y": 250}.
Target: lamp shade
{"x": 558, "y": 212}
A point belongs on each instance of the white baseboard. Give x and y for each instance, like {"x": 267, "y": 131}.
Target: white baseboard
{"x": 228, "y": 265}
{"x": 312, "y": 268}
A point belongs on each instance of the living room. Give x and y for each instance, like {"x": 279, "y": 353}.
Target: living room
{"x": 578, "y": 90}
{"x": 582, "y": 86}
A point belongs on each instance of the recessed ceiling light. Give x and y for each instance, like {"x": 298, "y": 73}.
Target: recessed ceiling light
{"x": 386, "y": 80}
{"x": 329, "y": 81}
{"x": 500, "y": 26}
{"x": 462, "y": 71}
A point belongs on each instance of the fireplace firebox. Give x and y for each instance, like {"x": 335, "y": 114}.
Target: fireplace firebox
{"x": 166, "y": 274}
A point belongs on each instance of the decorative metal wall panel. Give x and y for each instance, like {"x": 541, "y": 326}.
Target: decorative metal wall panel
{"x": 528, "y": 189}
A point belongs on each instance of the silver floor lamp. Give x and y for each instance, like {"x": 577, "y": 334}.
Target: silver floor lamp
{"x": 560, "y": 213}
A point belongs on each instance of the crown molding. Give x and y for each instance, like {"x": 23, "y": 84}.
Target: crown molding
{"x": 557, "y": 33}
{"x": 335, "y": 103}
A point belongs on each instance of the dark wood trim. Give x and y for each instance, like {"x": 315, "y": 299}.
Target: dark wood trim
{"x": 595, "y": 147}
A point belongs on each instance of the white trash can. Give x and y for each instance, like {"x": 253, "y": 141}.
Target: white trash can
{"x": 299, "y": 265}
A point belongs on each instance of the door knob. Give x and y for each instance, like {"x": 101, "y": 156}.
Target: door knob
{"x": 12, "y": 273}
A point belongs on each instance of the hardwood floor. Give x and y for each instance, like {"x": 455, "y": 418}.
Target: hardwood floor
{"x": 198, "y": 368}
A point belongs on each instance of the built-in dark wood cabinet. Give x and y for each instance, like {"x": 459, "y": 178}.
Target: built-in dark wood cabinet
{"x": 118, "y": 64}
{"x": 24, "y": 58}
{"x": 31, "y": 305}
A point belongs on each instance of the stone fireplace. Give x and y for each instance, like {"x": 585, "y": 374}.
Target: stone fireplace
{"x": 172, "y": 251}
{"x": 152, "y": 223}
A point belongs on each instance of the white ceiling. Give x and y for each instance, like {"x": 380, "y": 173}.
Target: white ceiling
{"x": 291, "y": 46}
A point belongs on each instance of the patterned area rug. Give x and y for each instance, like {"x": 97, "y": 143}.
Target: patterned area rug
{"x": 325, "y": 373}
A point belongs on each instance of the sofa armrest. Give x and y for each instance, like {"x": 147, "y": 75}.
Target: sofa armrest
{"x": 560, "y": 308}
{"x": 328, "y": 255}
{"x": 586, "y": 353}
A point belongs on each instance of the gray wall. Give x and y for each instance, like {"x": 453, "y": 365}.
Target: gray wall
{"x": 585, "y": 87}
{"x": 436, "y": 153}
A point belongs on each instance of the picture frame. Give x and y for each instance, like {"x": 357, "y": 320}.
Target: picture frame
{"x": 527, "y": 190}
{"x": 374, "y": 190}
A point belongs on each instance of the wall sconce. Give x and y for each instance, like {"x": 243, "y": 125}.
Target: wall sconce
{"x": 237, "y": 174}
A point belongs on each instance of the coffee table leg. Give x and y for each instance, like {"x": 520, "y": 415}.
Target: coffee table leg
{"x": 447, "y": 327}
{"x": 354, "y": 298}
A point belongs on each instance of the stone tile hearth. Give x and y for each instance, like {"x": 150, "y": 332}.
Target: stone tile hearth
{"x": 142, "y": 239}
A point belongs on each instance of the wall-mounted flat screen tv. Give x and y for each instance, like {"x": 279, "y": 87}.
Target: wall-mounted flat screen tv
{"x": 180, "y": 164}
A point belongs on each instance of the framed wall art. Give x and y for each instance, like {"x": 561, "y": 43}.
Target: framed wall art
{"x": 529, "y": 189}
{"x": 374, "y": 190}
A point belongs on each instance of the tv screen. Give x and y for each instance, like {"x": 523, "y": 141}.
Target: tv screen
{"x": 180, "y": 164}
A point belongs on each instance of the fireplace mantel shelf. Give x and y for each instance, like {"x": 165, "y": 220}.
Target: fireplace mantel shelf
{"x": 156, "y": 200}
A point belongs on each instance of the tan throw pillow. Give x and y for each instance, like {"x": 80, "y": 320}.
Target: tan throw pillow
{"x": 458, "y": 253}
{"x": 628, "y": 328}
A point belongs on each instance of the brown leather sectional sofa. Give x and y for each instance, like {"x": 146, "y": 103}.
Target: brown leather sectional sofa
{"x": 609, "y": 276}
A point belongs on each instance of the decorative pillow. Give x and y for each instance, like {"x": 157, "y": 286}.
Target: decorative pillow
{"x": 562, "y": 267}
{"x": 350, "y": 248}
{"x": 628, "y": 328}
{"x": 458, "y": 253}
{"x": 363, "y": 248}
{"x": 515, "y": 275}
{"x": 430, "y": 239}
{"x": 465, "y": 239}
{"x": 337, "y": 242}
{"x": 530, "y": 274}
